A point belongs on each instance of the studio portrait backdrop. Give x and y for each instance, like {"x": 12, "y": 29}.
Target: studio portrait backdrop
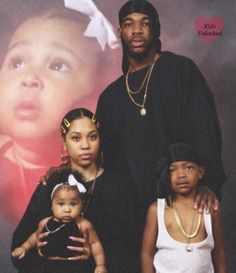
{"x": 31, "y": 110}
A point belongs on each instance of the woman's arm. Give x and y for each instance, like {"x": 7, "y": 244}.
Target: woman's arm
{"x": 149, "y": 240}
{"x": 218, "y": 253}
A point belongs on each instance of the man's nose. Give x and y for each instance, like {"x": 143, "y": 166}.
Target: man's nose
{"x": 137, "y": 28}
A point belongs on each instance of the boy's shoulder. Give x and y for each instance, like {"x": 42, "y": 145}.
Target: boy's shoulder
{"x": 153, "y": 207}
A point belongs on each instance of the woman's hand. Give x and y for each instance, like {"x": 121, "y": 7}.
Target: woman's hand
{"x": 84, "y": 252}
{"x": 44, "y": 179}
{"x": 41, "y": 243}
{"x": 206, "y": 198}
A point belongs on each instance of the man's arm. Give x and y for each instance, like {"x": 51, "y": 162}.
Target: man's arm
{"x": 201, "y": 129}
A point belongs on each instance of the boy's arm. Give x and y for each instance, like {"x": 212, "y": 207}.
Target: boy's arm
{"x": 218, "y": 253}
{"x": 96, "y": 248}
{"x": 149, "y": 240}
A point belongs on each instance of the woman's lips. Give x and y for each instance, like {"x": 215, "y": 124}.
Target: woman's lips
{"x": 85, "y": 156}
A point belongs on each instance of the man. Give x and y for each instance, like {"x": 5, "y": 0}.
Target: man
{"x": 162, "y": 98}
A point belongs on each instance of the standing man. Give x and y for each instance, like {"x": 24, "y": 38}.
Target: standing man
{"x": 160, "y": 99}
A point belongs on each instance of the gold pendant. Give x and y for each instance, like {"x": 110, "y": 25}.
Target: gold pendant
{"x": 143, "y": 111}
{"x": 188, "y": 248}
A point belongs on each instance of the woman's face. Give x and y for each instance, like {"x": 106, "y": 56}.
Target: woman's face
{"x": 82, "y": 143}
{"x": 47, "y": 69}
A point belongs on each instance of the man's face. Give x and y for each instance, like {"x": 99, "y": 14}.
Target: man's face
{"x": 136, "y": 35}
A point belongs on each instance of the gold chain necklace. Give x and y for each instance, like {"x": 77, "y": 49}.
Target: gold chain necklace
{"x": 180, "y": 225}
{"x": 143, "y": 110}
{"x": 90, "y": 193}
{"x": 141, "y": 87}
{"x": 55, "y": 230}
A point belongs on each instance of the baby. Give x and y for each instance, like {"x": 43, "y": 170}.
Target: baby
{"x": 65, "y": 222}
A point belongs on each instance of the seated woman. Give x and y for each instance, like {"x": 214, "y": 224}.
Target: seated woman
{"x": 108, "y": 206}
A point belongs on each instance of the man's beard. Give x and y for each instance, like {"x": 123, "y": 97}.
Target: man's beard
{"x": 139, "y": 56}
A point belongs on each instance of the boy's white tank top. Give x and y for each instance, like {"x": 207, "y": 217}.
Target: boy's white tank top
{"x": 172, "y": 256}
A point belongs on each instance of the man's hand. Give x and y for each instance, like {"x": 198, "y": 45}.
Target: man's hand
{"x": 207, "y": 199}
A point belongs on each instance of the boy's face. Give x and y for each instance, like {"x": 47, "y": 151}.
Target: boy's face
{"x": 47, "y": 69}
{"x": 184, "y": 176}
{"x": 66, "y": 205}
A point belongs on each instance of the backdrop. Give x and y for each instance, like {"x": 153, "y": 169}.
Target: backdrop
{"x": 201, "y": 30}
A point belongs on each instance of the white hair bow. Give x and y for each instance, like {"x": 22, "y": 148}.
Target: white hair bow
{"x": 99, "y": 27}
{"x": 72, "y": 182}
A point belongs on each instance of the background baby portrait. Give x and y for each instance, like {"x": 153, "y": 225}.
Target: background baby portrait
{"x": 49, "y": 67}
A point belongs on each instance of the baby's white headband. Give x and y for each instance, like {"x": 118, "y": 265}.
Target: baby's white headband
{"x": 99, "y": 27}
{"x": 72, "y": 182}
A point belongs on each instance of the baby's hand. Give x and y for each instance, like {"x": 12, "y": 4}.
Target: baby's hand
{"x": 19, "y": 252}
{"x": 100, "y": 269}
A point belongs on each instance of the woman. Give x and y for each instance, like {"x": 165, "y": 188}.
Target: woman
{"x": 109, "y": 204}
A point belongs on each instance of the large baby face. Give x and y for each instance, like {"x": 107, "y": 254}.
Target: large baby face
{"x": 48, "y": 67}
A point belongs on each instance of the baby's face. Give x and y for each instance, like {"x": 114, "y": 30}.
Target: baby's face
{"x": 66, "y": 205}
{"x": 48, "y": 67}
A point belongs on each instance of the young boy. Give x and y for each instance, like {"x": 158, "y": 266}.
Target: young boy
{"x": 177, "y": 238}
